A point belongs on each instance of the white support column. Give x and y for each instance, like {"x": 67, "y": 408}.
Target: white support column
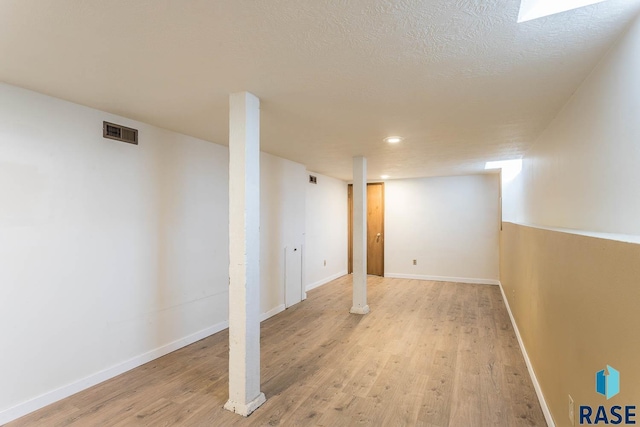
{"x": 244, "y": 251}
{"x": 359, "y": 236}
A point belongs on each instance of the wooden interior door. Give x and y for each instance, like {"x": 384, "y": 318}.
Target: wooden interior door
{"x": 375, "y": 228}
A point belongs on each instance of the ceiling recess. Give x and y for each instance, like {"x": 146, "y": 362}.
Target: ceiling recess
{"x": 534, "y": 9}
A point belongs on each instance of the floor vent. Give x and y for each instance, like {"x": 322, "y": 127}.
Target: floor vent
{"x": 119, "y": 133}
{"x": 313, "y": 179}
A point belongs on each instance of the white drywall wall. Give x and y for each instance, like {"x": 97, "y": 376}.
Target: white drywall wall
{"x": 583, "y": 171}
{"x": 282, "y": 211}
{"x": 113, "y": 254}
{"x": 449, "y": 225}
{"x": 107, "y": 250}
{"x": 326, "y": 230}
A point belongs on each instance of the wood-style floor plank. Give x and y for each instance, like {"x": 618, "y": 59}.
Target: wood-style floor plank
{"x": 428, "y": 354}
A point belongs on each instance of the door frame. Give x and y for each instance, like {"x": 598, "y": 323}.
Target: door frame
{"x": 350, "y": 224}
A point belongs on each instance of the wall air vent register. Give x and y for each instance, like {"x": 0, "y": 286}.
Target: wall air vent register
{"x": 119, "y": 133}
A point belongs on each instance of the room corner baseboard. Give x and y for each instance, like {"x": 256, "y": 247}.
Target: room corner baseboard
{"x": 50, "y": 397}
{"x": 532, "y": 374}
{"x": 326, "y": 280}
{"x": 471, "y": 280}
{"x": 272, "y": 312}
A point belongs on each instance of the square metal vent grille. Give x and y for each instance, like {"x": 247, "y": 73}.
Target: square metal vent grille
{"x": 119, "y": 133}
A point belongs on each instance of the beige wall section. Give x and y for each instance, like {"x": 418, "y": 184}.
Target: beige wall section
{"x": 575, "y": 300}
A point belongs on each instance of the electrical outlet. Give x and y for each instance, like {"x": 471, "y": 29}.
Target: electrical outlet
{"x": 325, "y": 262}
{"x": 571, "y": 410}
{"x": 415, "y": 262}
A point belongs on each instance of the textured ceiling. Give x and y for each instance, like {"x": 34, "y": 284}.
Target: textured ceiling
{"x": 460, "y": 80}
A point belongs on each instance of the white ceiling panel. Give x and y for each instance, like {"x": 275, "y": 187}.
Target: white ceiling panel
{"x": 460, "y": 80}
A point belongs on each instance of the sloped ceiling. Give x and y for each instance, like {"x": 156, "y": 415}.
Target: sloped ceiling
{"x": 460, "y": 80}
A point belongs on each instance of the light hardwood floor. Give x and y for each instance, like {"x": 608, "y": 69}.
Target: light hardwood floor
{"x": 428, "y": 354}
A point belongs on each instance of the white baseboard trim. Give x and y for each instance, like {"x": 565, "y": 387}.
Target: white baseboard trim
{"x": 50, "y": 397}
{"x": 471, "y": 280}
{"x": 272, "y": 312}
{"x": 326, "y": 280}
{"x": 532, "y": 374}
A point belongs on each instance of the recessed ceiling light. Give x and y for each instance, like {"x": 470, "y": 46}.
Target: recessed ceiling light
{"x": 393, "y": 139}
{"x": 384, "y": 176}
